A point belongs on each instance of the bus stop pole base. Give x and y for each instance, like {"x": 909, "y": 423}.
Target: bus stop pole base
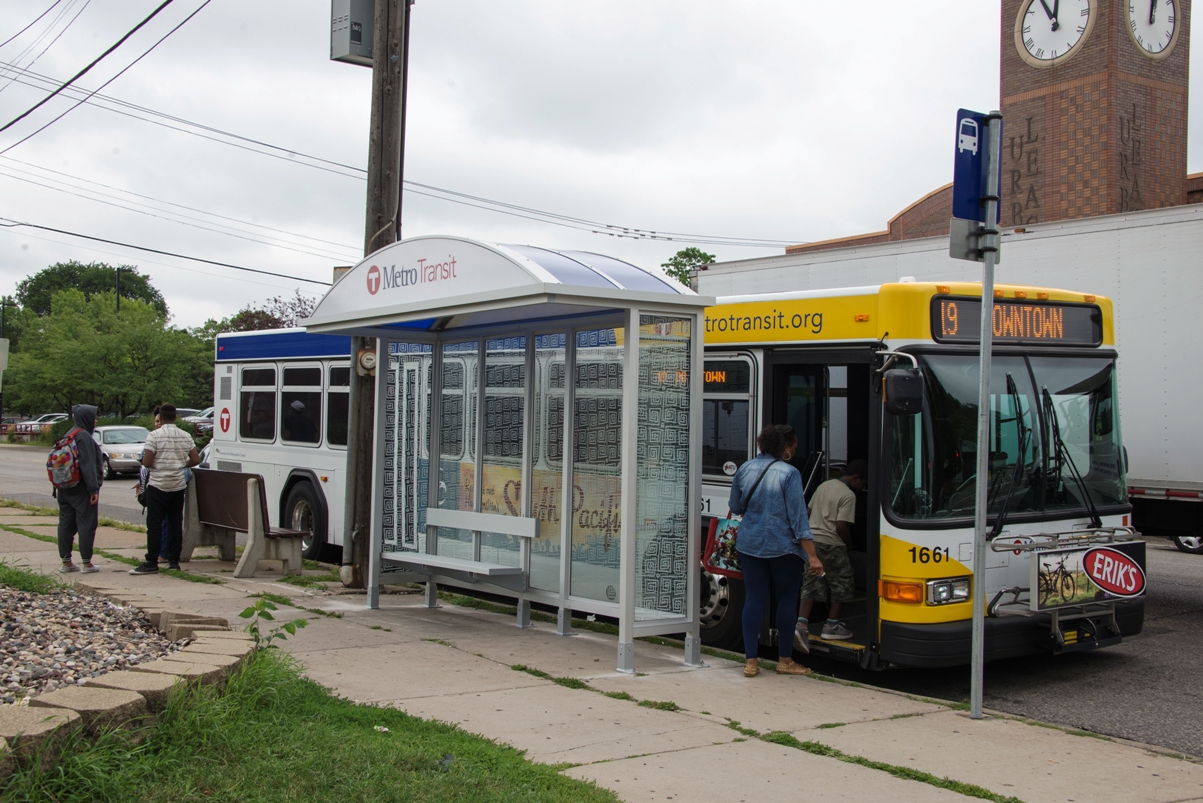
{"x": 523, "y": 613}
{"x": 564, "y": 622}
{"x": 626, "y": 657}
{"x": 693, "y": 649}
{"x": 374, "y": 597}
{"x": 430, "y": 598}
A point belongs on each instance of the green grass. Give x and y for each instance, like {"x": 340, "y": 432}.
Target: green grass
{"x": 619, "y": 695}
{"x": 910, "y": 774}
{"x": 280, "y": 599}
{"x": 660, "y": 705}
{"x": 24, "y": 579}
{"x": 827, "y": 725}
{"x": 275, "y": 737}
{"x": 311, "y": 580}
{"x": 38, "y": 510}
{"x": 113, "y": 556}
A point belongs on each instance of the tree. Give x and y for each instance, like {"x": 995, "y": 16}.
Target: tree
{"x": 684, "y": 261}
{"x": 82, "y": 351}
{"x": 37, "y": 292}
{"x": 275, "y": 313}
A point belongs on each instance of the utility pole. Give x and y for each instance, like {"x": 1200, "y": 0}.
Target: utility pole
{"x": 118, "y": 289}
{"x": 386, "y": 160}
{"x": 4, "y": 305}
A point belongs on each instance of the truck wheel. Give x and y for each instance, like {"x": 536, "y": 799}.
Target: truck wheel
{"x": 302, "y": 513}
{"x": 721, "y": 612}
{"x": 1189, "y": 543}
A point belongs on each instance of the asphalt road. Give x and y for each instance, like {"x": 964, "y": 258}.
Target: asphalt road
{"x": 1146, "y": 689}
{"x": 23, "y": 477}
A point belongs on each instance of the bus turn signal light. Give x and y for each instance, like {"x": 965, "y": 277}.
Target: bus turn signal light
{"x": 943, "y": 288}
{"x": 861, "y": 317}
{"x": 901, "y": 592}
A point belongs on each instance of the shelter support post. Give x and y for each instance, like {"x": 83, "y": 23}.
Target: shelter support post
{"x": 564, "y": 622}
{"x": 523, "y": 613}
{"x": 693, "y": 638}
{"x": 628, "y": 532}
{"x": 430, "y": 598}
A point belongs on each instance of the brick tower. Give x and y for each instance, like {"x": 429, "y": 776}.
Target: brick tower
{"x": 1094, "y": 101}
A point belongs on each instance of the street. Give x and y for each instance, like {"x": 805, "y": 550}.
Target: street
{"x": 1146, "y": 689}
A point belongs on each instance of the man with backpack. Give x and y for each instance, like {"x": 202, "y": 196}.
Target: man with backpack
{"x": 76, "y": 470}
{"x": 168, "y": 452}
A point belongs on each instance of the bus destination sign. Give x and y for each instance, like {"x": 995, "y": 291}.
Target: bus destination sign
{"x": 956, "y": 319}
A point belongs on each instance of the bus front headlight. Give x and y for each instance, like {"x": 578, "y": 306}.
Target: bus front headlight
{"x": 953, "y": 589}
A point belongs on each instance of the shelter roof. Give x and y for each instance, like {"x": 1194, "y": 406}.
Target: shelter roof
{"x": 440, "y": 283}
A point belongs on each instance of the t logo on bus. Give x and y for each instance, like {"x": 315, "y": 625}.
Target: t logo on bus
{"x": 224, "y": 418}
{"x": 373, "y": 280}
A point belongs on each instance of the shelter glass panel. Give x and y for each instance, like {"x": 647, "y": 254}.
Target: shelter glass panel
{"x": 458, "y": 443}
{"x": 597, "y": 456}
{"x": 501, "y": 475}
{"x": 547, "y": 477}
{"x": 662, "y": 474}
{"x": 407, "y": 420}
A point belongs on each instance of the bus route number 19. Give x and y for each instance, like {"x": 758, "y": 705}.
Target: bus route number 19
{"x": 925, "y": 555}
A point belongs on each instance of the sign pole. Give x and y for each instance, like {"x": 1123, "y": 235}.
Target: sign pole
{"x": 989, "y": 238}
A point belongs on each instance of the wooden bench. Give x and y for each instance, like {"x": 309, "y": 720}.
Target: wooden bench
{"x": 228, "y": 502}
{"x": 519, "y": 526}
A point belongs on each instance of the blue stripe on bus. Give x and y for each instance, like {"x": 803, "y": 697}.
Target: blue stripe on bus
{"x": 276, "y": 345}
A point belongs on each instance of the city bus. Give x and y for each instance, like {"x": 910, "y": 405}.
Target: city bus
{"x": 818, "y": 360}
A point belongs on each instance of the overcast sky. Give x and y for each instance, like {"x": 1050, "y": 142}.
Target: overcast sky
{"x": 788, "y": 120}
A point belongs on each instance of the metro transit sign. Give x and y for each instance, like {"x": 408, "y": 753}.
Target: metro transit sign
{"x": 969, "y": 166}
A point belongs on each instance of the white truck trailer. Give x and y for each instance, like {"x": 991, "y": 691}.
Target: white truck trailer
{"x": 1149, "y": 263}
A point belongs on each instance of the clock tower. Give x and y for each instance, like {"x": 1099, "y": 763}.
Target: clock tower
{"x": 1094, "y": 101}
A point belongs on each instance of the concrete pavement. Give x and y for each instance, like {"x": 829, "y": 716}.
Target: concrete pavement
{"x": 695, "y": 738}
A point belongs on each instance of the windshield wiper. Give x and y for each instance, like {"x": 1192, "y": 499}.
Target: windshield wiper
{"x": 1050, "y": 412}
{"x": 1024, "y": 432}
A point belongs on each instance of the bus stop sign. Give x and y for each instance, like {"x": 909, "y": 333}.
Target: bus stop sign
{"x": 969, "y": 166}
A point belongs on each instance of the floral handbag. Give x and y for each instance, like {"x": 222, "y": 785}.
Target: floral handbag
{"x": 720, "y": 555}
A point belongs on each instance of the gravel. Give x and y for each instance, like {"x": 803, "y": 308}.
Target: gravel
{"x": 51, "y": 641}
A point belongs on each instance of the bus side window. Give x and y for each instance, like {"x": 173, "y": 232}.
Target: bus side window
{"x": 301, "y": 405}
{"x": 257, "y": 404}
{"x": 337, "y": 405}
{"x": 726, "y": 416}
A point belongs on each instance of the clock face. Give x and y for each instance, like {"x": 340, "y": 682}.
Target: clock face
{"x": 1050, "y": 32}
{"x": 1152, "y": 24}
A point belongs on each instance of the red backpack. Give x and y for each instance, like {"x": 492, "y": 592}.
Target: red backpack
{"x": 62, "y": 466}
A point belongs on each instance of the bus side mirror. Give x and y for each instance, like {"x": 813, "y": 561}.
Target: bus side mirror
{"x": 903, "y": 391}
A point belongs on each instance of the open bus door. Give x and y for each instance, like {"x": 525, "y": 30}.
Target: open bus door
{"x": 828, "y": 398}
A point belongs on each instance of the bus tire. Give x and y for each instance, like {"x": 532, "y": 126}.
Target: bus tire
{"x": 302, "y": 512}
{"x": 721, "y": 612}
{"x": 1189, "y": 543}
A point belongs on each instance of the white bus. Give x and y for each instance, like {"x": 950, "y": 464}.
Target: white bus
{"x": 280, "y": 410}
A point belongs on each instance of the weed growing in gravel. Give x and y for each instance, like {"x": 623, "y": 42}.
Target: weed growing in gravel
{"x": 23, "y": 579}
{"x": 275, "y": 737}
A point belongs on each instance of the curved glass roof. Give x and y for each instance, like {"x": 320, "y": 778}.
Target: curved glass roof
{"x": 595, "y": 270}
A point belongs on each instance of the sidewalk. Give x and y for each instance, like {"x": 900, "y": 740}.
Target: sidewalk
{"x": 697, "y": 733}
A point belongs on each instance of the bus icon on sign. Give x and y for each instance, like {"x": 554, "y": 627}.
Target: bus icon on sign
{"x": 967, "y": 136}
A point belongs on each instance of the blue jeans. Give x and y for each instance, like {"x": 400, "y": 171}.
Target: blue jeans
{"x": 784, "y": 573}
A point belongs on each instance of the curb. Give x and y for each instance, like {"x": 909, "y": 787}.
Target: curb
{"x": 125, "y": 697}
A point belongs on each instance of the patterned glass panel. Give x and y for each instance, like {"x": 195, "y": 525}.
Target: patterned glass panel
{"x": 406, "y": 446}
{"x": 662, "y": 499}
{"x": 548, "y": 470}
{"x": 458, "y": 443}
{"x": 597, "y": 453}
{"x": 501, "y": 483}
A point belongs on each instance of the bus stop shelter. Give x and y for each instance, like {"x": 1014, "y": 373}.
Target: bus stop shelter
{"x": 537, "y": 433}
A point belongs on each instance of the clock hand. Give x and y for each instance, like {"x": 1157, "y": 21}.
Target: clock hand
{"x": 1056, "y": 14}
{"x": 1051, "y": 14}
{"x": 1152, "y": 10}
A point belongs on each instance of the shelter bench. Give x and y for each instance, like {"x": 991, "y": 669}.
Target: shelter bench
{"x": 229, "y": 502}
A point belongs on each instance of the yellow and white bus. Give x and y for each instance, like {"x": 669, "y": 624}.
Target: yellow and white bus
{"x": 816, "y": 359}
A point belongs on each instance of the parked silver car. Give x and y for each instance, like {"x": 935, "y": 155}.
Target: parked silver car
{"x": 122, "y": 448}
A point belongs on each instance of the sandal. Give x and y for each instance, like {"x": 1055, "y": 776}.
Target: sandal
{"x": 751, "y": 670}
{"x": 793, "y": 668}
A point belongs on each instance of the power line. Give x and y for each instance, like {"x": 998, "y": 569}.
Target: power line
{"x": 87, "y": 97}
{"x": 439, "y": 193}
{"x": 85, "y": 70}
{"x": 30, "y": 25}
{"x": 57, "y": 36}
{"x": 17, "y": 223}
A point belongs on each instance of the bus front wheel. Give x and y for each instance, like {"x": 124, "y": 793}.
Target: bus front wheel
{"x": 721, "y": 612}
{"x": 303, "y": 514}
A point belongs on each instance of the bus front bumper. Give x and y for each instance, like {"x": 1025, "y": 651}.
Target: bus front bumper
{"x": 948, "y": 644}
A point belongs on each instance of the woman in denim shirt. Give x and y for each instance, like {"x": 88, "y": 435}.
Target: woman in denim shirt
{"x": 774, "y": 542}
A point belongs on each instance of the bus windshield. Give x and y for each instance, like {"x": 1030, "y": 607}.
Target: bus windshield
{"x": 1054, "y": 439}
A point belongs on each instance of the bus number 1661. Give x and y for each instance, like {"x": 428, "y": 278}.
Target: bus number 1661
{"x": 925, "y": 555}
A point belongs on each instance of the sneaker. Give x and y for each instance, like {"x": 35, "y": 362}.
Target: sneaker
{"x": 174, "y": 565}
{"x": 837, "y": 631}
{"x": 88, "y": 568}
{"x": 146, "y": 568}
{"x": 67, "y": 568}
{"x": 801, "y": 638}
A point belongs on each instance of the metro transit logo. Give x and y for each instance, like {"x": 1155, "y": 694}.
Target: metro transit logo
{"x": 373, "y": 280}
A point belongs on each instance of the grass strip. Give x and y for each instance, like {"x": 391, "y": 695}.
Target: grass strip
{"x": 908, "y": 773}
{"x": 280, "y": 599}
{"x": 113, "y": 556}
{"x": 103, "y": 521}
{"x": 27, "y": 580}
{"x": 276, "y": 737}
{"x": 660, "y": 705}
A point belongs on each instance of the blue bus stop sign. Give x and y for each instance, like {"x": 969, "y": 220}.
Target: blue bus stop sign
{"x": 969, "y": 166}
